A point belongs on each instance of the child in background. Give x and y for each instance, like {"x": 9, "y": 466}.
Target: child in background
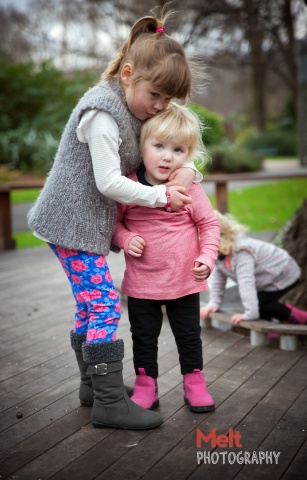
{"x": 263, "y": 272}
{"x": 76, "y": 210}
{"x": 169, "y": 256}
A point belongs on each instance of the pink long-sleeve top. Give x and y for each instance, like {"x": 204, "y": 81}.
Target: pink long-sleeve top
{"x": 174, "y": 241}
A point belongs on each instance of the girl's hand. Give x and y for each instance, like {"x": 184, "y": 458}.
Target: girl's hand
{"x": 183, "y": 176}
{"x": 237, "y": 318}
{"x": 179, "y": 197}
{"x": 200, "y": 271}
{"x": 136, "y": 246}
{"x": 205, "y": 312}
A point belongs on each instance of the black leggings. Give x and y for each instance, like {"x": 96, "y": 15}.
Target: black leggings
{"x": 269, "y": 307}
{"x": 146, "y": 317}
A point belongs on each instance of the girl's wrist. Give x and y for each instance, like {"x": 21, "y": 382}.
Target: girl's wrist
{"x": 168, "y": 200}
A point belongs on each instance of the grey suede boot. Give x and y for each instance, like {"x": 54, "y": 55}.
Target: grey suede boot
{"x": 86, "y": 392}
{"x": 112, "y": 407}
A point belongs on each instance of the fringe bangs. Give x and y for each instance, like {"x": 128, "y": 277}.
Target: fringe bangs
{"x": 172, "y": 76}
{"x": 179, "y": 122}
{"x": 163, "y": 63}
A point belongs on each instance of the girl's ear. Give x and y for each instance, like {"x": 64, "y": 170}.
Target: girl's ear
{"x": 126, "y": 74}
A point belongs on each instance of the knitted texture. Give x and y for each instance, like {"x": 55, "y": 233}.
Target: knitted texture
{"x": 103, "y": 352}
{"x": 70, "y": 211}
{"x": 76, "y": 340}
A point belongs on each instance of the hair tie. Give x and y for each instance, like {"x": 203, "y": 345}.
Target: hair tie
{"x": 160, "y": 29}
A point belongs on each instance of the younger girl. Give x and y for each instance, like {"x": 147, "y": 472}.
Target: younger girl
{"x": 169, "y": 255}
{"x": 76, "y": 210}
{"x": 263, "y": 272}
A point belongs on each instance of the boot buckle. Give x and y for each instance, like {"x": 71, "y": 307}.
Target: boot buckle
{"x": 101, "y": 369}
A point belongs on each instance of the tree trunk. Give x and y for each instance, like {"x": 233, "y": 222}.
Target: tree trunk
{"x": 294, "y": 240}
{"x": 259, "y": 89}
{"x": 255, "y": 36}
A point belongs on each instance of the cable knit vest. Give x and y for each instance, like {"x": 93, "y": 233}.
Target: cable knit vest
{"x": 70, "y": 211}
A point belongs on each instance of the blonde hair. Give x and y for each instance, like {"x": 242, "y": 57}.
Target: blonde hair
{"x": 176, "y": 121}
{"x": 229, "y": 229}
{"x": 156, "y": 57}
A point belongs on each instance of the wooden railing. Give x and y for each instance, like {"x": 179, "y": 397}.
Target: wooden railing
{"x": 221, "y": 182}
{"x": 7, "y": 241}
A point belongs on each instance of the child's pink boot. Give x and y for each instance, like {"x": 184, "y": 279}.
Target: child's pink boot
{"x": 272, "y": 335}
{"x": 145, "y": 390}
{"x": 297, "y": 315}
{"x": 196, "y": 394}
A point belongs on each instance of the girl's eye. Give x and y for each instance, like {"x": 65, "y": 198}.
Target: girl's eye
{"x": 178, "y": 150}
{"x": 159, "y": 145}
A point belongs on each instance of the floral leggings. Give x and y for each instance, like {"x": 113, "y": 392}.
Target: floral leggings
{"x": 98, "y": 307}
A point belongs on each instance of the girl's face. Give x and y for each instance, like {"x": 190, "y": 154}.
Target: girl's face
{"x": 143, "y": 100}
{"x": 162, "y": 157}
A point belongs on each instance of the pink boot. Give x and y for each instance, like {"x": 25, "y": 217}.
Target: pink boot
{"x": 145, "y": 390}
{"x": 297, "y": 315}
{"x": 195, "y": 392}
{"x": 272, "y": 336}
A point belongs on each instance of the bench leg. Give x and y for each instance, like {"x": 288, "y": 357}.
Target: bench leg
{"x": 258, "y": 339}
{"x": 288, "y": 342}
{"x": 221, "y": 325}
{"x": 205, "y": 323}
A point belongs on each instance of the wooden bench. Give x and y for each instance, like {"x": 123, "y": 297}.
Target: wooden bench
{"x": 259, "y": 329}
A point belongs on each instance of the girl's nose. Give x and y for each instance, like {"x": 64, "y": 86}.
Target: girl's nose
{"x": 167, "y": 156}
{"x": 160, "y": 105}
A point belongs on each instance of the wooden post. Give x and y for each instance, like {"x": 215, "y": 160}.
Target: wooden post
{"x": 221, "y": 197}
{"x": 7, "y": 242}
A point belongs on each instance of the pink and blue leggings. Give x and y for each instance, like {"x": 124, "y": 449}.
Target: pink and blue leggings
{"x": 98, "y": 307}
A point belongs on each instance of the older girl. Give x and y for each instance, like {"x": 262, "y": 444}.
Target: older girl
{"x": 76, "y": 210}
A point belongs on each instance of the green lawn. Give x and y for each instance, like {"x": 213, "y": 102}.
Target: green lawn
{"x": 27, "y": 240}
{"x": 261, "y": 207}
{"x": 24, "y": 196}
{"x": 267, "y": 206}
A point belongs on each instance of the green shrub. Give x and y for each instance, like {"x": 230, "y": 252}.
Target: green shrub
{"x": 35, "y": 103}
{"x": 214, "y": 130}
{"x": 273, "y": 143}
{"x": 27, "y": 150}
{"x": 229, "y": 158}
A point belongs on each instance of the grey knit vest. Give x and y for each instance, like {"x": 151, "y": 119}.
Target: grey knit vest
{"x": 70, "y": 211}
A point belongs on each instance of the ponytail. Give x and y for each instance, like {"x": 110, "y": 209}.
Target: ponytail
{"x": 156, "y": 57}
{"x": 143, "y": 25}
